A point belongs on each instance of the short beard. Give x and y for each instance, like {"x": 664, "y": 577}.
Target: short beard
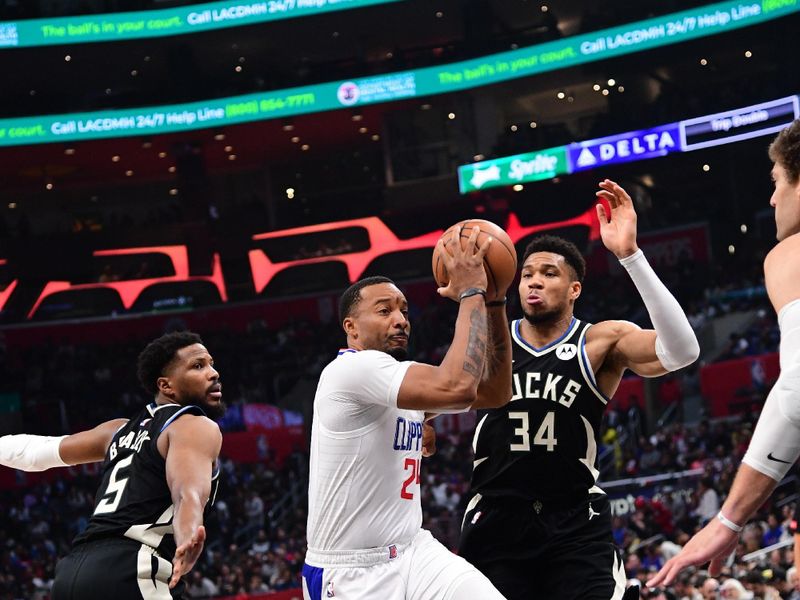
{"x": 214, "y": 411}
{"x": 547, "y": 316}
{"x": 397, "y": 352}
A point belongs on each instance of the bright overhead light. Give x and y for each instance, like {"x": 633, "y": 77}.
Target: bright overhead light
{"x": 69, "y": 151}
{"x": 295, "y": 139}
{"x": 362, "y": 130}
{"x": 173, "y": 192}
{"x": 304, "y": 147}
{"x": 115, "y": 158}
{"x": 231, "y": 157}
{"x": 12, "y": 205}
{"x": 172, "y": 169}
{"x": 219, "y": 137}
{"x": 596, "y": 87}
{"x": 561, "y": 95}
{"x": 731, "y": 249}
{"x": 451, "y": 116}
{"x": 129, "y": 173}
{"x": 748, "y": 54}
{"x": 612, "y": 82}
{"x": 621, "y": 89}
{"x": 290, "y": 193}
{"x": 706, "y": 168}
{"x": 134, "y": 73}
{"x": 48, "y": 186}
{"x": 544, "y": 8}
{"x": 67, "y": 58}
{"x": 238, "y": 68}
{"x": 375, "y": 137}
{"x": 162, "y": 155}
{"x": 439, "y": 14}
{"x": 703, "y": 62}
{"x": 518, "y": 187}
{"x": 513, "y": 128}
{"x": 743, "y": 228}
{"x": 228, "y": 148}
{"x": 605, "y": 92}
{"x": 533, "y": 125}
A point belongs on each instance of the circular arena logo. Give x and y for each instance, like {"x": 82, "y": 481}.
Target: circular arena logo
{"x": 348, "y": 93}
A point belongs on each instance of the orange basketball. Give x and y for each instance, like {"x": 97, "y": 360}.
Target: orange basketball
{"x": 500, "y": 261}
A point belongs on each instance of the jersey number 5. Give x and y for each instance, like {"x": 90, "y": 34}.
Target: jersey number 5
{"x": 413, "y": 464}
{"x": 545, "y": 435}
{"x": 113, "y": 494}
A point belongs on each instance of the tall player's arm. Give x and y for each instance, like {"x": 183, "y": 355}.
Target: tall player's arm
{"x": 775, "y": 445}
{"x": 494, "y": 388}
{"x": 190, "y": 445}
{"x": 672, "y": 343}
{"x": 39, "y": 452}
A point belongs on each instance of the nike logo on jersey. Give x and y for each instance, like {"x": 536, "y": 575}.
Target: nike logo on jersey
{"x": 479, "y": 461}
{"x": 566, "y": 351}
{"x": 769, "y": 456}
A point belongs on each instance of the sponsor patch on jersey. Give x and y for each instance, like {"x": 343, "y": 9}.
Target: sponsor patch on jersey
{"x": 566, "y": 351}
{"x": 392, "y": 552}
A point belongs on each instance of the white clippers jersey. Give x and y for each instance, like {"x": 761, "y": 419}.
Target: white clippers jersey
{"x": 363, "y": 489}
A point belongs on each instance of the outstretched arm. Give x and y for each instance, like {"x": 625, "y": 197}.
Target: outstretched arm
{"x": 776, "y": 441}
{"x": 40, "y": 452}
{"x": 673, "y": 344}
{"x": 193, "y": 444}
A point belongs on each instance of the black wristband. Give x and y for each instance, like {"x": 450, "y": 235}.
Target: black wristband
{"x": 471, "y": 292}
{"x": 501, "y": 302}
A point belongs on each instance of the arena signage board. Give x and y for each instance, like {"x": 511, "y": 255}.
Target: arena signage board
{"x": 524, "y": 62}
{"x": 691, "y": 134}
{"x": 162, "y": 22}
{"x": 740, "y": 124}
{"x": 625, "y": 147}
{"x": 511, "y": 170}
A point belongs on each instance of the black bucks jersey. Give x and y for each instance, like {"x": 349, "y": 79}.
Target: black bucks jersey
{"x": 133, "y": 500}
{"x": 543, "y": 444}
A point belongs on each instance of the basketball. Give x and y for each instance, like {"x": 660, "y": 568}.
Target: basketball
{"x": 500, "y": 261}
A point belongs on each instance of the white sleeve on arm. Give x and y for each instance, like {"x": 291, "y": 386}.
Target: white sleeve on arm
{"x": 676, "y": 343}
{"x": 776, "y": 441}
{"x": 31, "y": 452}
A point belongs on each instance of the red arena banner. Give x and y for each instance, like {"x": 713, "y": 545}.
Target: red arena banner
{"x": 382, "y": 240}
{"x": 129, "y": 291}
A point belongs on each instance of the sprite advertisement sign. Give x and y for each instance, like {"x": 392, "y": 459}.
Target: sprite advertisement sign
{"x": 511, "y": 170}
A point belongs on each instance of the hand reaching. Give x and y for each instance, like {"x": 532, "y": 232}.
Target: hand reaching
{"x": 617, "y": 230}
{"x": 714, "y": 543}
{"x": 186, "y": 556}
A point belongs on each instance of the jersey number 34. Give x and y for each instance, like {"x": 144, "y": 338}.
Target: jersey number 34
{"x": 544, "y": 436}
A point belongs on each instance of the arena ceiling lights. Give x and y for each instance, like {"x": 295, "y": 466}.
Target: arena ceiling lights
{"x": 114, "y": 27}
{"x": 495, "y": 68}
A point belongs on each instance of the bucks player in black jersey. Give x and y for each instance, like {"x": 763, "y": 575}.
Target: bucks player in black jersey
{"x": 537, "y": 524}
{"x": 159, "y": 475}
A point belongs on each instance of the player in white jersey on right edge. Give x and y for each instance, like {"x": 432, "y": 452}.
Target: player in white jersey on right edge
{"x": 365, "y": 536}
{"x": 776, "y": 441}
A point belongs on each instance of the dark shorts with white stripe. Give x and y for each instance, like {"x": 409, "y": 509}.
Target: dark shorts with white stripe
{"x": 533, "y": 551}
{"x": 116, "y": 568}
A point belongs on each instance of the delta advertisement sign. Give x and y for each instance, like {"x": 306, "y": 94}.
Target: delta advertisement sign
{"x": 727, "y": 127}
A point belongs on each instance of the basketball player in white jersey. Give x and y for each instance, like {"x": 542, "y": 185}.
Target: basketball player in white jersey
{"x": 775, "y": 446}
{"x": 365, "y": 539}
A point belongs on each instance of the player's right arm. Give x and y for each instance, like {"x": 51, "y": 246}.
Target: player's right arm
{"x": 775, "y": 445}
{"x": 39, "y": 452}
{"x": 453, "y": 385}
{"x": 191, "y": 445}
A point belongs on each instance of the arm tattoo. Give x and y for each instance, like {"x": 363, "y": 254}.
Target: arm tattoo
{"x": 476, "y": 345}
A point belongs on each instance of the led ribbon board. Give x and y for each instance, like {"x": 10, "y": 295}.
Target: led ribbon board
{"x": 495, "y": 68}
{"x": 162, "y": 22}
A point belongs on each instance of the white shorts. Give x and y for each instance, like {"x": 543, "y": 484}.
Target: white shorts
{"x": 422, "y": 570}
